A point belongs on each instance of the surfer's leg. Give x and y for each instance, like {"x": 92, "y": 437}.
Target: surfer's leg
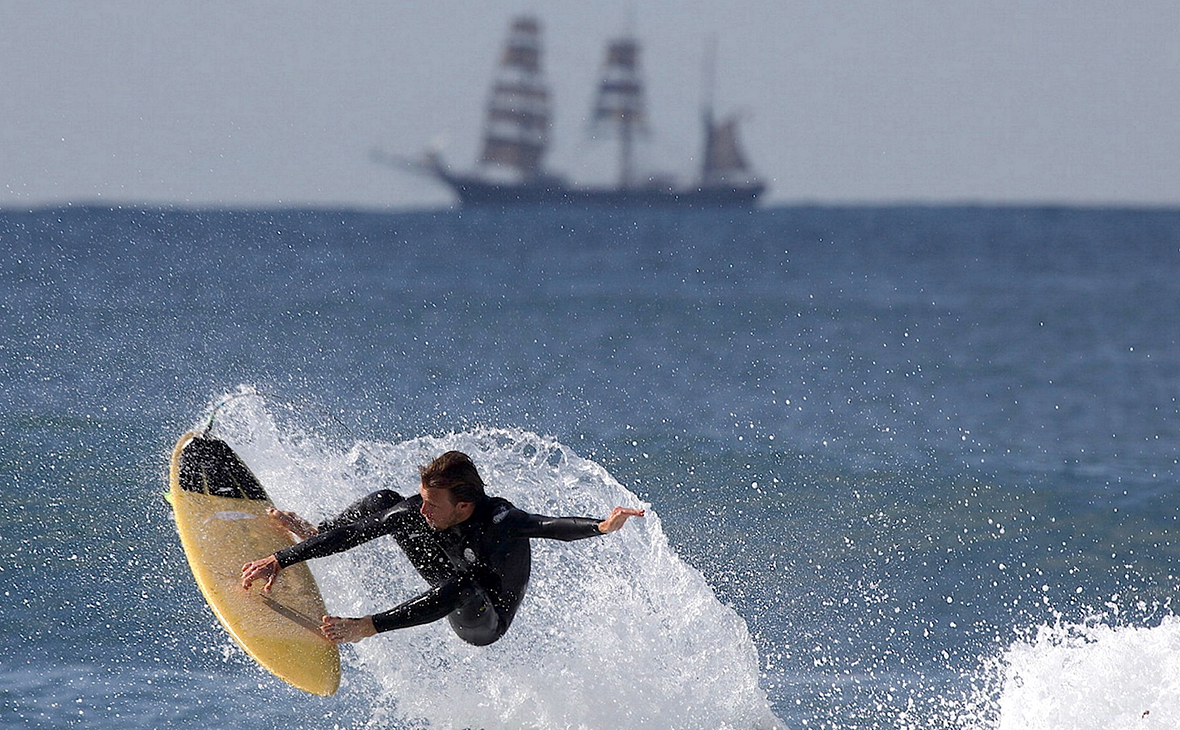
{"x": 386, "y": 512}
{"x": 334, "y": 538}
{"x": 471, "y": 615}
{"x": 378, "y": 501}
{"x": 426, "y": 608}
{"x": 419, "y": 542}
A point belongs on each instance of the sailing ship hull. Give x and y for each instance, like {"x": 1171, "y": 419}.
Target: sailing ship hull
{"x": 474, "y": 191}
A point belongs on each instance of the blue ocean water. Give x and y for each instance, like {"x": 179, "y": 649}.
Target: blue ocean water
{"x": 906, "y": 467}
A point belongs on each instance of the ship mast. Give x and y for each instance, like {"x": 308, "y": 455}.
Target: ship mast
{"x": 620, "y": 105}
{"x": 516, "y": 131}
{"x": 708, "y": 83}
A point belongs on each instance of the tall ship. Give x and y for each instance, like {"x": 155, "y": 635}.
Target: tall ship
{"x": 511, "y": 167}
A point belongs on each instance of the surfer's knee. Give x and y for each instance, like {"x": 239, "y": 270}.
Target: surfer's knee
{"x": 395, "y": 512}
{"x": 383, "y": 499}
{"x": 374, "y": 503}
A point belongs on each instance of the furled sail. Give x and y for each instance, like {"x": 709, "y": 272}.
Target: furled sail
{"x": 724, "y": 163}
{"x": 620, "y": 106}
{"x": 516, "y": 132}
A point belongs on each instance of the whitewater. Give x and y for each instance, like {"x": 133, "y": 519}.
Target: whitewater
{"x": 614, "y": 633}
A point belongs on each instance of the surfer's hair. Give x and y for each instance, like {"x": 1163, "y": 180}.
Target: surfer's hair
{"x": 455, "y": 472}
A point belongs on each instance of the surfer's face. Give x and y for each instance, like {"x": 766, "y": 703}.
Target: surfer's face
{"x": 440, "y": 508}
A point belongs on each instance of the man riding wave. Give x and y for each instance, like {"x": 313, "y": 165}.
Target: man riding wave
{"x": 473, "y": 550}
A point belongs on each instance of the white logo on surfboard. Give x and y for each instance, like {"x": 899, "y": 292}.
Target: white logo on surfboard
{"x": 232, "y": 515}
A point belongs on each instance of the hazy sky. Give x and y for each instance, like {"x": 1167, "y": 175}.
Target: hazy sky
{"x": 280, "y": 103}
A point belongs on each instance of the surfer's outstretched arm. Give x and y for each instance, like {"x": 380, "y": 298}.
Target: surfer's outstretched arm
{"x": 618, "y": 517}
{"x": 525, "y": 524}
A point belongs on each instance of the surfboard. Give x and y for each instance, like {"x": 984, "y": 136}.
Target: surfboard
{"x": 220, "y": 511}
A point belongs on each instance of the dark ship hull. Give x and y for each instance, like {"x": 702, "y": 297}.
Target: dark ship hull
{"x": 475, "y": 191}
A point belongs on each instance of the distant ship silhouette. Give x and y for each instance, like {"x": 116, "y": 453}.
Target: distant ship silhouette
{"x": 516, "y": 136}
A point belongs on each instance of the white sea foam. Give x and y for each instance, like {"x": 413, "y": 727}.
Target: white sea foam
{"x": 1088, "y": 676}
{"x": 617, "y": 632}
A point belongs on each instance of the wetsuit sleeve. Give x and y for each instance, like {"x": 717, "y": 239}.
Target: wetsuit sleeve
{"x": 524, "y": 524}
{"x": 343, "y": 538}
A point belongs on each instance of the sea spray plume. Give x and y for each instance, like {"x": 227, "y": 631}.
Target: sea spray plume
{"x": 286, "y": 445}
{"x": 612, "y": 634}
{"x": 1085, "y": 676}
{"x": 1088, "y": 675}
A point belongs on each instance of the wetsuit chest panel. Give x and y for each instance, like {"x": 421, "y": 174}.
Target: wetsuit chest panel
{"x": 498, "y": 559}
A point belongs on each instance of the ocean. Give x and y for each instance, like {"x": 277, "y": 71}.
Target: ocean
{"x": 904, "y": 467}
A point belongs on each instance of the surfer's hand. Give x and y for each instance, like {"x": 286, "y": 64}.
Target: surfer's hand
{"x": 618, "y": 517}
{"x": 347, "y": 630}
{"x": 265, "y": 569}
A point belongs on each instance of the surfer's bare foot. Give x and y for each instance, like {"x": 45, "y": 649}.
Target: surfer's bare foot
{"x": 293, "y": 523}
{"x": 347, "y": 630}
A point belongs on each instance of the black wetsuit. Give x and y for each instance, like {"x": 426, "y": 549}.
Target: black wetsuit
{"x": 478, "y": 570}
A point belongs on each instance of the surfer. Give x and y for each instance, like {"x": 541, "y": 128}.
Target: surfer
{"x": 471, "y": 548}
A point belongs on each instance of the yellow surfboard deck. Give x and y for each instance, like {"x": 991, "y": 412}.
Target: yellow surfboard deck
{"x": 220, "y": 510}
